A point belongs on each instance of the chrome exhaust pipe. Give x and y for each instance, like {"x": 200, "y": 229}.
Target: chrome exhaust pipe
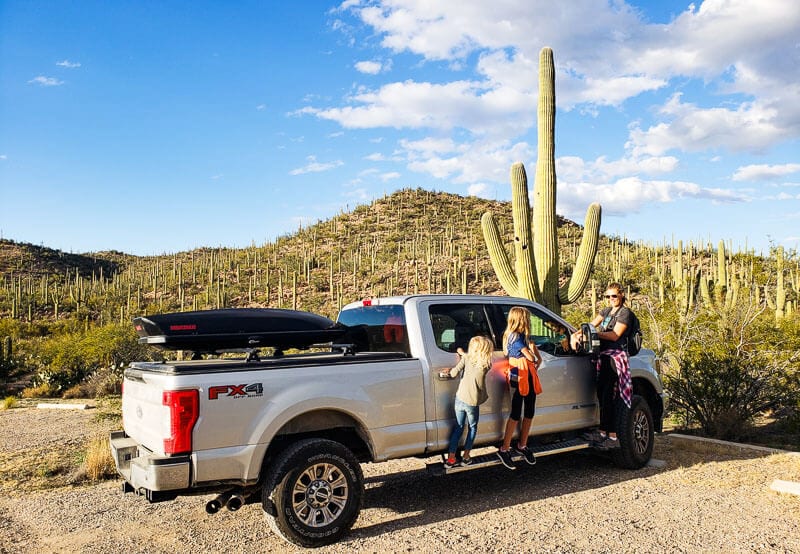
{"x": 235, "y": 502}
{"x": 216, "y": 504}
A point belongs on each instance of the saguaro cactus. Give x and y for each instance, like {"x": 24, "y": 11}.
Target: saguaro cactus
{"x": 535, "y": 274}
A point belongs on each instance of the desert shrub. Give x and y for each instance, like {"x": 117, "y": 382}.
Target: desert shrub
{"x": 9, "y": 402}
{"x": 100, "y": 383}
{"x": 727, "y": 367}
{"x": 75, "y": 391}
{"x": 43, "y": 390}
{"x": 92, "y": 359}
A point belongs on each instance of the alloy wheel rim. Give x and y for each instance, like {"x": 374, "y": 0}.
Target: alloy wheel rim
{"x": 641, "y": 432}
{"x": 320, "y": 494}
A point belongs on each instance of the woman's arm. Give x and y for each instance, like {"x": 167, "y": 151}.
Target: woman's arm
{"x": 575, "y": 338}
{"x": 614, "y": 334}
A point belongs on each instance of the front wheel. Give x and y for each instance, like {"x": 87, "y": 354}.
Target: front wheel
{"x": 316, "y": 487}
{"x": 636, "y": 434}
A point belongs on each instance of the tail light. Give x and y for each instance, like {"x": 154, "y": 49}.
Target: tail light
{"x": 183, "y": 411}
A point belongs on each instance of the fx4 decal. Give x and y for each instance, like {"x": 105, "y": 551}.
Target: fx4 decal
{"x": 236, "y": 391}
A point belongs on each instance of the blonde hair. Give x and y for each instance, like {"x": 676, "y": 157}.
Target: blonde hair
{"x": 480, "y": 351}
{"x": 519, "y": 321}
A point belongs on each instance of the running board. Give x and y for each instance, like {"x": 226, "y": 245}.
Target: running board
{"x": 491, "y": 459}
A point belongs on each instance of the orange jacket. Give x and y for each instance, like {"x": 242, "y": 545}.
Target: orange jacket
{"x": 525, "y": 366}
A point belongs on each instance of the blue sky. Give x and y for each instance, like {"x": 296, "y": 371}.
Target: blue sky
{"x": 154, "y": 127}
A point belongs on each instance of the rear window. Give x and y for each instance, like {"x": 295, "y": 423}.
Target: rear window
{"x": 379, "y": 328}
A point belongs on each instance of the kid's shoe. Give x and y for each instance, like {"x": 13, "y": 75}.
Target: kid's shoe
{"x": 450, "y": 463}
{"x": 505, "y": 457}
{"x": 526, "y": 452}
{"x": 466, "y": 460}
{"x": 608, "y": 444}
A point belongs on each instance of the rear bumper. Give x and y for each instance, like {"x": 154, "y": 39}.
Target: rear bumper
{"x": 146, "y": 473}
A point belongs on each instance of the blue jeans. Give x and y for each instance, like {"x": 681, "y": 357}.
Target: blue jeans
{"x": 464, "y": 414}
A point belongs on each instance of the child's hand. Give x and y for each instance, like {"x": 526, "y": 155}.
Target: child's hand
{"x": 444, "y": 373}
{"x": 460, "y": 351}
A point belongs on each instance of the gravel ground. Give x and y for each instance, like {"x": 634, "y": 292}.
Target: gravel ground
{"x": 709, "y": 501}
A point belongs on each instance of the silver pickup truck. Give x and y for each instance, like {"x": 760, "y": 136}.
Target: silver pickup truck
{"x": 291, "y": 430}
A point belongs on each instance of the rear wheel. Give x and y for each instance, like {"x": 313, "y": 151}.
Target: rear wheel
{"x": 636, "y": 434}
{"x": 312, "y": 492}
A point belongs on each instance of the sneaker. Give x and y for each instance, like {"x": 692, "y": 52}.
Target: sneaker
{"x": 466, "y": 460}
{"x": 450, "y": 463}
{"x": 527, "y": 453}
{"x": 505, "y": 457}
{"x": 608, "y": 444}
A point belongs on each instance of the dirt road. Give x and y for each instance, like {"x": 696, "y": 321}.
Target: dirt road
{"x": 697, "y": 501}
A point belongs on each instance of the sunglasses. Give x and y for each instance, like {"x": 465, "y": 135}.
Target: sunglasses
{"x": 612, "y": 296}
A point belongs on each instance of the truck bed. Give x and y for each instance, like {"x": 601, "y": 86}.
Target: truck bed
{"x": 223, "y": 365}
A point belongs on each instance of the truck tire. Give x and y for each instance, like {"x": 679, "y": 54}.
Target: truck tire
{"x": 312, "y": 492}
{"x": 636, "y": 434}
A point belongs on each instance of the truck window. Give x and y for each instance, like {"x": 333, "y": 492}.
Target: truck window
{"x": 548, "y": 334}
{"x": 383, "y": 327}
{"x": 454, "y": 324}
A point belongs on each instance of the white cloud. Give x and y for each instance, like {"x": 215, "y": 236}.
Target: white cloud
{"x": 313, "y": 166}
{"x": 421, "y": 105}
{"x": 361, "y": 194}
{"x": 465, "y": 163}
{"x": 765, "y": 172}
{"x": 68, "y": 64}
{"x": 572, "y": 168}
{"x": 751, "y": 127}
{"x": 368, "y": 67}
{"x": 631, "y": 194}
{"x": 379, "y": 157}
{"x": 481, "y": 190}
{"x": 390, "y": 176}
{"x": 720, "y": 77}
{"x": 46, "y": 81}
{"x": 261, "y": 107}
{"x": 610, "y": 54}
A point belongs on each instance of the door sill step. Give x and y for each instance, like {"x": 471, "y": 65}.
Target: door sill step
{"x": 491, "y": 459}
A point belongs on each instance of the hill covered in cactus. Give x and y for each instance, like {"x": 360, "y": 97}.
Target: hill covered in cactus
{"x": 410, "y": 241}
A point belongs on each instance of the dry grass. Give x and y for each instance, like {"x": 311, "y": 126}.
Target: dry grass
{"x": 37, "y": 469}
{"x": 47, "y": 468}
{"x": 40, "y": 391}
{"x": 9, "y": 402}
{"x": 99, "y": 464}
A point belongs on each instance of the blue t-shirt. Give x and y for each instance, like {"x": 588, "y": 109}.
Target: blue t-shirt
{"x": 515, "y": 343}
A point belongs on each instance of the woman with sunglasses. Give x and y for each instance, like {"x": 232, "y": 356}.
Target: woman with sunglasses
{"x": 613, "y": 374}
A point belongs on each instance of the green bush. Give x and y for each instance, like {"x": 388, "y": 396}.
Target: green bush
{"x": 96, "y": 357}
{"x": 727, "y": 367}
